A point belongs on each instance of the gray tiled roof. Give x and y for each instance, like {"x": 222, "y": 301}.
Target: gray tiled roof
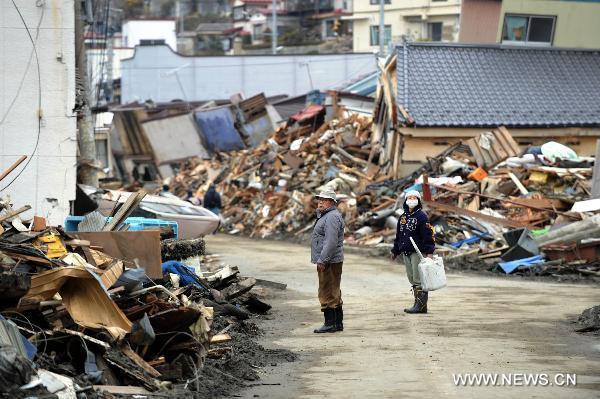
{"x": 477, "y": 85}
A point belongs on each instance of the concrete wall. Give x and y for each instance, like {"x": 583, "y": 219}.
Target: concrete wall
{"x": 152, "y": 74}
{"x": 577, "y": 22}
{"x": 136, "y": 30}
{"x": 47, "y": 183}
{"x": 409, "y": 18}
{"x": 479, "y": 21}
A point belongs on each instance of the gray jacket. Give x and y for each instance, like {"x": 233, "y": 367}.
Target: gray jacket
{"x": 327, "y": 245}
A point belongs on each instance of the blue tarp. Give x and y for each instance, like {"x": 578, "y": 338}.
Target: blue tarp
{"x": 218, "y": 130}
{"x": 186, "y": 273}
{"x": 509, "y": 267}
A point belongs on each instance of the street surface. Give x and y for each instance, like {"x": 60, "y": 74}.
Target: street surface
{"x": 475, "y": 325}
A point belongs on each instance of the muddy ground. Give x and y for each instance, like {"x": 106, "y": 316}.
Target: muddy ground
{"x": 477, "y": 324}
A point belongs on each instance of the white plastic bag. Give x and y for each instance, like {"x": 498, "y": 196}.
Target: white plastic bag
{"x": 431, "y": 271}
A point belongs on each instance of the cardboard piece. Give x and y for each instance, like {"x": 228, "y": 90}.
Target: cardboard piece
{"x": 143, "y": 246}
{"x": 83, "y": 296}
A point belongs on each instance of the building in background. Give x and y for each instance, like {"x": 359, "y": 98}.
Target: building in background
{"x": 38, "y": 118}
{"x": 141, "y": 31}
{"x": 214, "y": 78}
{"x": 556, "y": 23}
{"x": 562, "y": 23}
{"x": 479, "y": 21}
{"x": 417, "y": 20}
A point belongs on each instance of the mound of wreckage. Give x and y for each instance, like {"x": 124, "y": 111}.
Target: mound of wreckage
{"x": 103, "y": 312}
{"x": 495, "y": 207}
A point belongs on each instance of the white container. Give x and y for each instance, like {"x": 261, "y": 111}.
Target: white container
{"x": 431, "y": 271}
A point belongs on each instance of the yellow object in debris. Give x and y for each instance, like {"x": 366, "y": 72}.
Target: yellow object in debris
{"x": 51, "y": 245}
{"x": 538, "y": 177}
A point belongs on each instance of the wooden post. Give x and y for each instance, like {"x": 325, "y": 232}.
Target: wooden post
{"x": 426, "y": 188}
{"x": 596, "y": 175}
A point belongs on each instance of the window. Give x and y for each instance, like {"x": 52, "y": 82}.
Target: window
{"x": 435, "y": 31}
{"x": 528, "y": 29}
{"x": 376, "y": 2}
{"x": 387, "y": 32}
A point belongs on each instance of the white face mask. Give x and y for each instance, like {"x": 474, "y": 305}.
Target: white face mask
{"x": 412, "y": 203}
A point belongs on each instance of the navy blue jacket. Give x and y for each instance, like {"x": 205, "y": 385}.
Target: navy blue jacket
{"x": 414, "y": 224}
{"x": 212, "y": 199}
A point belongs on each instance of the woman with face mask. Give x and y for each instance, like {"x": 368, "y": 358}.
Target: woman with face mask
{"x": 414, "y": 223}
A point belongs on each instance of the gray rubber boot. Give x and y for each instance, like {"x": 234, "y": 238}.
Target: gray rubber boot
{"x": 329, "y": 326}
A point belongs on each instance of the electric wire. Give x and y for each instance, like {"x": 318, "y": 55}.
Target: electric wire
{"x": 39, "y": 124}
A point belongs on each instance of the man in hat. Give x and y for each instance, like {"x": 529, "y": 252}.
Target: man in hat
{"x": 327, "y": 252}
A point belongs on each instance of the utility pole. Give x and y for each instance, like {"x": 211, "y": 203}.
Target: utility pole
{"x": 274, "y": 27}
{"x": 87, "y": 142}
{"x": 109, "y": 60}
{"x": 179, "y": 17}
{"x": 381, "y": 27}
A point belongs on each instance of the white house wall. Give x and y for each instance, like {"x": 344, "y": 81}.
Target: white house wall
{"x": 153, "y": 71}
{"x": 136, "y": 30}
{"x": 47, "y": 183}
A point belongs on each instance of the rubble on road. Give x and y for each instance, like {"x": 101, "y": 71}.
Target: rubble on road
{"x": 590, "y": 320}
{"x": 78, "y": 321}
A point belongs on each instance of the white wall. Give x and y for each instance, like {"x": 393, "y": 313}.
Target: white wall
{"x": 136, "y": 30}
{"x": 153, "y": 72}
{"x": 47, "y": 183}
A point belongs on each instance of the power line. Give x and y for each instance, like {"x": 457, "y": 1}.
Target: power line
{"x": 39, "y": 127}
{"x": 14, "y": 100}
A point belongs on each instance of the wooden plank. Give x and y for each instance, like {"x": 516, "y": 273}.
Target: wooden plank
{"x": 126, "y": 209}
{"x": 13, "y": 213}
{"x": 142, "y": 245}
{"x": 596, "y": 173}
{"x": 510, "y": 140}
{"x": 522, "y": 189}
{"x": 569, "y": 215}
{"x": 476, "y": 152}
{"x": 220, "y": 338}
{"x": 506, "y": 147}
{"x": 121, "y": 390}
{"x": 12, "y": 167}
{"x": 477, "y": 215}
{"x": 137, "y": 359}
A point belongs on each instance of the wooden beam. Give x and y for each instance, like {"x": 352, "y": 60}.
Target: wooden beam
{"x": 14, "y": 213}
{"x": 12, "y": 167}
{"x": 477, "y": 215}
{"x": 537, "y": 208}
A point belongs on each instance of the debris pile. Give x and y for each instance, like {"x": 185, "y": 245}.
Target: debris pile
{"x": 494, "y": 206}
{"x": 269, "y": 191}
{"x": 497, "y": 208}
{"x": 77, "y": 320}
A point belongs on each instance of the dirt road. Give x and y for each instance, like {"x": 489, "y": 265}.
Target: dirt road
{"x": 476, "y": 325}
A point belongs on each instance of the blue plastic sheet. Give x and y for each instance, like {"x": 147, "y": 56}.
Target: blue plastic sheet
{"x": 218, "y": 130}
{"x": 509, "y": 267}
{"x": 186, "y": 273}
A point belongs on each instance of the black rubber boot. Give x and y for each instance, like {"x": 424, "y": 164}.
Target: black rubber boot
{"x": 414, "y": 291}
{"x": 420, "y": 304}
{"x": 339, "y": 318}
{"x": 329, "y": 326}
